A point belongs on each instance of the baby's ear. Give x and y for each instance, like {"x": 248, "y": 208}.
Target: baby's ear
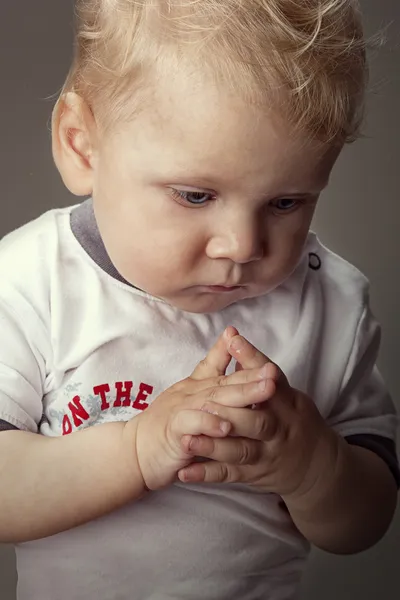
{"x": 74, "y": 140}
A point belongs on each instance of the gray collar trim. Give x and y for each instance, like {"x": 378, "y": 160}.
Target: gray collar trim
{"x": 84, "y": 227}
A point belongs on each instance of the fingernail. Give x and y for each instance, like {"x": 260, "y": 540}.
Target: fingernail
{"x": 209, "y": 409}
{"x": 263, "y": 372}
{"x": 237, "y": 344}
{"x": 262, "y": 385}
{"x": 184, "y": 475}
{"x": 229, "y": 332}
{"x": 225, "y": 427}
{"x": 194, "y": 443}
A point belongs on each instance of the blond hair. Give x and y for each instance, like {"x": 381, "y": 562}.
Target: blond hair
{"x": 307, "y": 56}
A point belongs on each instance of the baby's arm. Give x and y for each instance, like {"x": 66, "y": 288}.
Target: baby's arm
{"x": 49, "y": 485}
{"x": 351, "y": 506}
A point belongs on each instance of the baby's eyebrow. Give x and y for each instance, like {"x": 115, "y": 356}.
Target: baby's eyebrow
{"x": 307, "y": 193}
{"x": 197, "y": 181}
{"x": 314, "y": 189}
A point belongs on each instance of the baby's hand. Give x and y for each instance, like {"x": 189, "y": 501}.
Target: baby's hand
{"x": 280, "y": 447}
{"x": 158, "y": 432}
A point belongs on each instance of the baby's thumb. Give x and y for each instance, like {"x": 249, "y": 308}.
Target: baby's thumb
{"x": 217, "y": 360}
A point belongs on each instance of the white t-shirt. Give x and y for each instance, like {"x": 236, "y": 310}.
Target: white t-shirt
{"x": 79, "y": 347}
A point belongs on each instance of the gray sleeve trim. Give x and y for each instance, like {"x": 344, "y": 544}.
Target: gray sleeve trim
{"x": 4, "y": 426}
{"x": 383, "y": 447}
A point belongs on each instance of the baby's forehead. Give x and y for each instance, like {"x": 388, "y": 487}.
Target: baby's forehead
{"x": 206, "y": 137}
{"x": 193, "y": 103}
{"x": 181, "y": 106}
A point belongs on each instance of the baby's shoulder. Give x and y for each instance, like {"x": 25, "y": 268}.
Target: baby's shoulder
{"x": 29, "y": 254}
{"x": 33, "y": 240}
{"x": 341, "y": 283}
{"x": 38, "y": 232}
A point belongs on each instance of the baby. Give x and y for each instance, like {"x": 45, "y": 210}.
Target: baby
{"x": 203, "y": 132}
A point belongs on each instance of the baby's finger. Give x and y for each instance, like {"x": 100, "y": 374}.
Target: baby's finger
{"x": 245, "y": 376}
{"x": 194, "y": 423}
{"x": 241, "y": 377}
{"x": 233, "y": 451}
{"x": 267, "y": 371}
{"x": 239, "y": 396}
{"x": 218, "y": 358}
{"x": 210, "y": 472}
{"x": 247, "y": 355}
{"x": 261, "y": 425}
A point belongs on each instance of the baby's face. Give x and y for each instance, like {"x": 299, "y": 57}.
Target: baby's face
{"x": 202, "y": 200}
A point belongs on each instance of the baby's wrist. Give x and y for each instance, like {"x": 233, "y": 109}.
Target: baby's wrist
{"x": 131, "y": 450}
{"x": 323, "y": 476}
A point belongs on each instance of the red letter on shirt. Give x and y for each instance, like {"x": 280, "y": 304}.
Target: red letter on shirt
{"x": 77, "y": 411}
{"x": 102, "y": 390}
{"x": 144, "y": 391}
{"x": 123, "y": 393}
{"x": 67, "y": 425}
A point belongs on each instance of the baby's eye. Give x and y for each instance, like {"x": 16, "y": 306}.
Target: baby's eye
{"x": 194, "y": 198}
{"x": 286, "y": 204}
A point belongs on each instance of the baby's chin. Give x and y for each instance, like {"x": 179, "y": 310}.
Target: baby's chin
{"x": 206, "y": 303}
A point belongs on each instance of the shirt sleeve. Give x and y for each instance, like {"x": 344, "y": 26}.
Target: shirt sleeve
{"x": 22, "y": 363}
{"x": 382, "y": 447}
{"x": 364, "y": 405}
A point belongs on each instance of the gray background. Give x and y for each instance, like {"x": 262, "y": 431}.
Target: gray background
{"x": 359, "y": 217}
